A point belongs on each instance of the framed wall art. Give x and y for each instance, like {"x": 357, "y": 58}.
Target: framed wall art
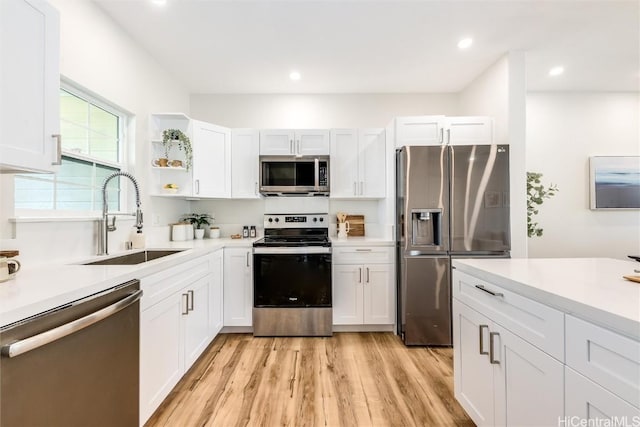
{"x": 615, "y": 182}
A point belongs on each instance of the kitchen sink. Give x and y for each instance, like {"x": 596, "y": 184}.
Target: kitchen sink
{"x": 136, "y": 257}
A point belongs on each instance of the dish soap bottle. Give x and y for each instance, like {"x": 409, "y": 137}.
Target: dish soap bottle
{"x": 138, "y": 240}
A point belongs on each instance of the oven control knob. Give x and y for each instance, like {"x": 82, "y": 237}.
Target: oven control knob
{"x": 277, "y": 219}
{"x": 270, "y": 219}
{"x": 315, "y": 219}
{"x": 321, "y": 219}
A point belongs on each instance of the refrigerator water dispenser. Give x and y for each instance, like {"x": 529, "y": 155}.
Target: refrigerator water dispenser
{"x": 426, "y": 227}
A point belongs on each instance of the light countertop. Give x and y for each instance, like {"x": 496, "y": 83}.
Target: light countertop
{"x": 590, "y": 288}
{"x": 362, "y": 241}
{"x": 37, "y": 289}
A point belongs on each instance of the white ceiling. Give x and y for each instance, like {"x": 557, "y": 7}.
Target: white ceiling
{"x": 383, "y": 46}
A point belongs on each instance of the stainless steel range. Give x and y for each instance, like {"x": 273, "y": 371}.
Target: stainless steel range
{"x": 292, "y": 277}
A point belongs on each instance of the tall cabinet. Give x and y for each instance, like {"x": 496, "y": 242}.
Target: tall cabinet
{"x": 29, "y": 86}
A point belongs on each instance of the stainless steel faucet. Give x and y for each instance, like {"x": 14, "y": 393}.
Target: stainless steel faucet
{"x": 106, "y": 228}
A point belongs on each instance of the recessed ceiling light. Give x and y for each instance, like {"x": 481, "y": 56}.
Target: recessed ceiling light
{"x": 159, "y": 2}
{"x": 556, "y": 71}
{"x": 294, "y": 75}
{"x": 465, "y": 43}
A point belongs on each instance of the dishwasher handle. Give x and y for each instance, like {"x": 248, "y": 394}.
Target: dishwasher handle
{"x": 31, "y": 343}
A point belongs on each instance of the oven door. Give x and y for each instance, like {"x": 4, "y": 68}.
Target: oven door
{"x": 292, "y": 277}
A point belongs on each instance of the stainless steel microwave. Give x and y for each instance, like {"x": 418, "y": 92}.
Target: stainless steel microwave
{"x": 294, "y": 176}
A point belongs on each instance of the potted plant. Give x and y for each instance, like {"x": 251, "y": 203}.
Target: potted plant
{"x": 176, "y": 136}
{"x": 198, "y": 221}
{"x": 536, "y": 193}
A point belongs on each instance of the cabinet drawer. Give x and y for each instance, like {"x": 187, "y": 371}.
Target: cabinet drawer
{"x": 159, "y": 286}
{"x": 607, "y": 358}
{"x": 593, "y": 404}
{"x": 536, "y": 323}
{"x": 363, "y": 255}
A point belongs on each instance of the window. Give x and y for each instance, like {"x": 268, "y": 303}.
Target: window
{"x": 92, "y": 149}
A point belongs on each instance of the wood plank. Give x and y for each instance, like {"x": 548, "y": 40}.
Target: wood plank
{"x": 350, "y": 379}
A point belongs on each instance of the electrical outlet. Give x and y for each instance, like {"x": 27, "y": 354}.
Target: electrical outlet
{"x": 156, "y": 220}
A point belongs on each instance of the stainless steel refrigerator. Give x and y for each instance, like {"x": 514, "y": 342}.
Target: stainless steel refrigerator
{"x": 452, "y": 202}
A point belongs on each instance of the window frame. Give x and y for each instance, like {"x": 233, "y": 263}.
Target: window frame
{"x": 122, "y": 164}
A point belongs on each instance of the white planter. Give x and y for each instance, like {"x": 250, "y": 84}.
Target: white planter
{"x": 199, "y": 233}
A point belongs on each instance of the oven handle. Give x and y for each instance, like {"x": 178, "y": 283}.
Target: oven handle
{"x": 292, "y": 250}
{"x": 31, "y": 343}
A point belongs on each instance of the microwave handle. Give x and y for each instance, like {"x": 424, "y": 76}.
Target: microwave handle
{"x": 316, "y": 164}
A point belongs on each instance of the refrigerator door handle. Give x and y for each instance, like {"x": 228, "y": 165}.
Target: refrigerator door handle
{"x": 481, "y": 340}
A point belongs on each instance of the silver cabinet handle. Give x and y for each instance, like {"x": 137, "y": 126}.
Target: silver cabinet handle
{"x": 256, "y": 188}
{"x": 492, "y": 358}
{"x": 361, "y": 187}
{"x": 248, "y": 259}
{"x": 360, "y": 274}
{"x": 363, "y": 250}
{"x": 31, "y": 343}
{"x": 291, "y": 146}
{"x": 481, "y": 340}
{"x": 495, "y": 294}
{"x": 58, "y": 138}
{"x": 355, "y": 188}
{"x": 441, "y": 136}
{"x": 190, "y": 300}
{"x": 298, "y": 148}
{"x": 448, "y": 136}
{"x": 367, "y": 274}
{"x": 185, "y": 304}
{"x": 197, "y": 186}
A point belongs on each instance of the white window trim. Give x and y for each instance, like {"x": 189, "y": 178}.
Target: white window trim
{"x": 44, "y": 215}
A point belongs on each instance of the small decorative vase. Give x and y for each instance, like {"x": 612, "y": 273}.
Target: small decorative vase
{"x": 199, "y": 233}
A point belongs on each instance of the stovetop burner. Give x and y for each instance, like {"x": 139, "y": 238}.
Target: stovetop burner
{"x": 295, "y": 230}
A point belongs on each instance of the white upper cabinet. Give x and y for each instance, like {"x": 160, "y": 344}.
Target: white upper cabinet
{"x": 211, "y": 160}
{"x": 419, "y": 130}
{"x": 438, "y": 130}
{"x": 288, "y": 142}
{"x": 471, "y": 130}
{"x": 29, "y": 86}
{"x": 245, "y": 149}
{"x": 358, "y": 163}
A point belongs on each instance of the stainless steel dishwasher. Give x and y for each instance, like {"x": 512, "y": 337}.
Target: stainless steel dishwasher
{"x": 75, "y": 365}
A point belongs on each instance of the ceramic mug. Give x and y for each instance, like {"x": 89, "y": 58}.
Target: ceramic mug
{"x": 8, "y": 268}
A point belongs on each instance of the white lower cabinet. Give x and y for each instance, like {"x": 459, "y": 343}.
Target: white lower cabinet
{"x": 363, "y": 291}
{"x": 238, "y": 286}
{"x": 586, "y": 400}
{"x": 176, "y": 327}
{"x": 500, "y": 379}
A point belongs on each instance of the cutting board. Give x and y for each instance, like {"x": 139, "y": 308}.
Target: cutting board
{"x": 9, "y": 254}
{"x": 356, "y": 225}
{"x": 633, "y": 278}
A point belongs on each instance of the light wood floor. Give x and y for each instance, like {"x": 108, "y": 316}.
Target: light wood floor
{"x": 351, "y": 379}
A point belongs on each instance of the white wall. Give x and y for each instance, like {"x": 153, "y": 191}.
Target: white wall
{"x": 563, "y": 131}
{"x": 500, "y": 92}
{"x": 316, "y": 110}
{"x": 97, "y": 55}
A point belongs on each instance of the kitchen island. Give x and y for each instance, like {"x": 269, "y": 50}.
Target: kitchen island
{"x": 553, "y": 340}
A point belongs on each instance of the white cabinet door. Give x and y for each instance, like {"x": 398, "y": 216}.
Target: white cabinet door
{"x": 215, "y": 293}
{"x": 161, "y": 352}
{"x": 310, "y": 142}
{"x": 197, "y": 336}
{"x": 593, "y": 405}
{"x": 245, "y": 150}
{"x": 348, "y": 302}
{"x": 419, "y": 130}
{"x": 277, "y": 142}
{"x": 378, "y": 297}
{"x": 238, "y": 287}
{"x": 471, "y": 130}
{"x": 472, "y": 373}
{"x": 211, "y": 160}
{"x": 29, "y": 85}
{"x": 528, "y": 383}
{"x": 344, "y": 163}
{"x": 372, "y": 163}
